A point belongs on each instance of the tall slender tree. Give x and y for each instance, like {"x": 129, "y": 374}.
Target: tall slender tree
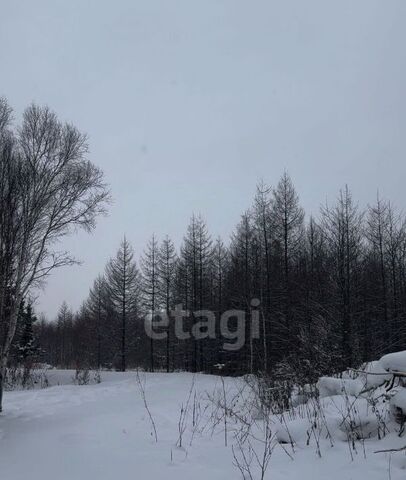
{"x": 288, "y": 218}
{"x": 47, "y": 190}
{"x": 150, "y": 285}
{"x": 97, "y": 307}
{"x": 122, "y": 278}
{"x": 64, "y": 323}
{"x": 196, "y": 258}
{"x": 343, "y": 227}
{"x": 167, "y": 262}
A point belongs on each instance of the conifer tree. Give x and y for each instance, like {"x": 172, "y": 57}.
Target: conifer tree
{"x": 167, "y": 261}
{"x": 122, "y": 279}
{"x": 150, "y": 286}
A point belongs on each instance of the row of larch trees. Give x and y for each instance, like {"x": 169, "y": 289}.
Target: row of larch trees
{"x": 326, "y": 292}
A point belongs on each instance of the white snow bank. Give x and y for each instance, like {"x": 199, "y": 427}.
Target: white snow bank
{"x": 359, "y": 425}
{"x": 293, "y": 431}
{"x": 338, "y": 417}
{"x": 350, "y": 417}
{"x": 102, "y": 431}
{"x": 329, "y": 386}
{"x": 374, "y": 375}
{"x": 394, "y": 362}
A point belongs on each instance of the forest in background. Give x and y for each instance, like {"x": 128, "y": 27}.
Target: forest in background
{"x": 331, "y": 292}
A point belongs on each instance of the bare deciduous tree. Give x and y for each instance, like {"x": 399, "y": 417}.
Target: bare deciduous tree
{"x": 167, "y": 261}
{"x": 150, "y": 285}
{"x": 48, "y": 190}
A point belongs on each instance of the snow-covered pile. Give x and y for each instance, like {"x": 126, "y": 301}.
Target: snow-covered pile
{"x": 394, "y": 362}
{"x": 398, "y": 405}
{"x": 337, "y": 417}
{"x": 329, "y": 386}
{"x": 366, "y": 406}
{"x": 374, "y": 375}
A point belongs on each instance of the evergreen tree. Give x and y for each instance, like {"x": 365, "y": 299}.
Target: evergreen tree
{"x": 28, "y": 348}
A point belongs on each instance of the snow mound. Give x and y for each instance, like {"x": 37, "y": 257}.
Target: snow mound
{"x": 330, "y": 386}
{"x": 394, "y": 362}
{"x": 374, "y": 375}
{"x": 398, "y": 406}
{"x": 338, "y": 417}
{"x": 293, "y": 431}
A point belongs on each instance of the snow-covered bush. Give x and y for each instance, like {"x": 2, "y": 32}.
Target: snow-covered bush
{"x": 360, "y": 405}
{"x": 18, "y": 378}
{"x": 86, "y": 376}
{"x": 329, "y": 386}
{"x": 356, "y": 407}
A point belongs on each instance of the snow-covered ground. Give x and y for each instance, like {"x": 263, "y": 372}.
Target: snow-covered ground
{"x": 103, "y": 431}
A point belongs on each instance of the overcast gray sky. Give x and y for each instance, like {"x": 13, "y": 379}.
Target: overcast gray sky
{"x": 189, "y": 103}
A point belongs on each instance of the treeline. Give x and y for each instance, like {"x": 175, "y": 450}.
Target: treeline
{"x": 329, "y": 292}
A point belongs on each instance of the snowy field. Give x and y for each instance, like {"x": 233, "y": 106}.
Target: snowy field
{"x": 103, "y": 431}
